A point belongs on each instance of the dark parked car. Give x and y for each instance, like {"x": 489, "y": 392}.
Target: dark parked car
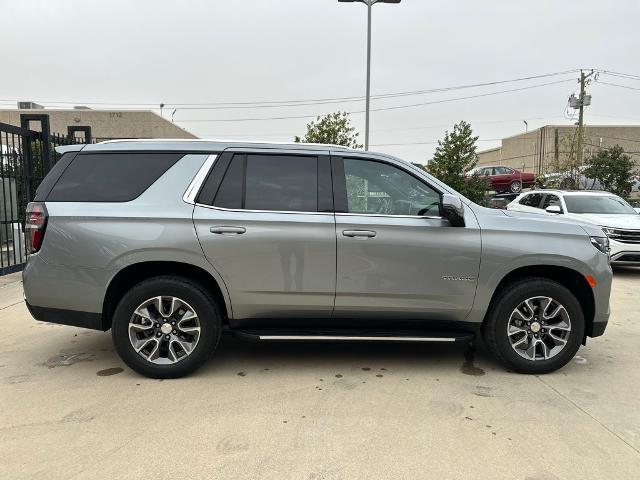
{"x": 505, "y": 179}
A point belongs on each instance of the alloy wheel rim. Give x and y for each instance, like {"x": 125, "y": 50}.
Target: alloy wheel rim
{"x": 164, "y": 330}
{"x": 516, "y": 187}
{"x": 539, "y": 328}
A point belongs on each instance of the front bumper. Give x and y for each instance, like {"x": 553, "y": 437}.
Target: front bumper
{"x": 624, "y": 253}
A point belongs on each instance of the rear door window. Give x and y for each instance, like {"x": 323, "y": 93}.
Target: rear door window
{"x": 110, "y": 177}
{"x": 270, "y": 182}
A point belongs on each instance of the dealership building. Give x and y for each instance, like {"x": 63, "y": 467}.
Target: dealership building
{"x": 537, "y": 151}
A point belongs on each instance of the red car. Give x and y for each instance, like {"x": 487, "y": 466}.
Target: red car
{"x": 505, "y": 179}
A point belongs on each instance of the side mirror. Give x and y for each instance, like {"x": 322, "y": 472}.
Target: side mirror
{"x": 453, "y": 209}
{"x": 553, "y": 209}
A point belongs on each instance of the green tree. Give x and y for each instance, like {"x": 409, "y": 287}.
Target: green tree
{"x": 454, "y": 156}
{"x": 334, "y": 128}
{"x": 613, "y": 169}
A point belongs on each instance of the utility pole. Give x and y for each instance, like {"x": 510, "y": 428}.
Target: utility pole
{"x": 581, "y": 102}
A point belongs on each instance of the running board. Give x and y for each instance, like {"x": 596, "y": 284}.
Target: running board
{"x": 354, "y": 336}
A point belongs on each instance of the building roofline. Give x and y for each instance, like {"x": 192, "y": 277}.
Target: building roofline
{"x": 490, "y": 150}
{"x": 78, "y": 110}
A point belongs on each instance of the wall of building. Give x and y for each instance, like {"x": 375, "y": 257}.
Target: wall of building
{"x": 105, "y": 124}
{"x": 543, "y": 149}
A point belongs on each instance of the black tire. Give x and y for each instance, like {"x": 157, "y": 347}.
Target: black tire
{"x": 515, "y": 187}
{"x": 510, "y": 296}
{"x": 196, "y": 296}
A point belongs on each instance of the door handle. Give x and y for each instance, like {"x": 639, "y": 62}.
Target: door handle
{"x": 359, "y": 233}
{"x": 228, "y": 230}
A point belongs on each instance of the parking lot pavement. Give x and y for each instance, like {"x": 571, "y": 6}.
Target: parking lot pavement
{"x": 71, "y": 409}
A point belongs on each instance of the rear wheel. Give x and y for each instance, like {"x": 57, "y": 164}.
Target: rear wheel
{"x": 534, "y": 326}
{"x": 166, "y": 327}
{"x": 515, "y": 187}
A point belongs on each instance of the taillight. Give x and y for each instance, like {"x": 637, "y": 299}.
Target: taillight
{"x": 35, "y": 226}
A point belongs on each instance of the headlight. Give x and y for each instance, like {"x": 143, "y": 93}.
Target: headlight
{"x": 601, "y": 243}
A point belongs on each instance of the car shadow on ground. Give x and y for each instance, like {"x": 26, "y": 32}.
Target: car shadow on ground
{"x": 238, "y": 356}
{"x": 234, "y": 353}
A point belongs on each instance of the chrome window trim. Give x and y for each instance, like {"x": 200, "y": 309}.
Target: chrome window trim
{"x": 383, "y": 215}
{"x": 240, "y": 210}
{"x": 378, "y": 215}
{"x": 194, "y": 187}
{"x": 192, "y": 190}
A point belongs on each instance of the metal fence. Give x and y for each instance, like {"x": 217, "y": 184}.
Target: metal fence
{"x": 26, "y": 156}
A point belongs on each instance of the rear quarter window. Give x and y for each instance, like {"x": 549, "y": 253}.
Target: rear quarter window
{"x": 110, "y": 177}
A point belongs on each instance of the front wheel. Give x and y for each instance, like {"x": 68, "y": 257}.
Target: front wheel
{"x": 515, "y": 187}
{"x": 166, "y": 327}
{"x": 535, "y": 325}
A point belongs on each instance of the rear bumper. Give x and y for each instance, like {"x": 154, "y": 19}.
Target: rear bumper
{"x": 73, "y": 318}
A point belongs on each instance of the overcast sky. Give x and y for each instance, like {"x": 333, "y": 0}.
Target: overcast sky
{"x": 210, "y": 51}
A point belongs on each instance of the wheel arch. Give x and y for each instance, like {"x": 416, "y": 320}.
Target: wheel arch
{"x": 135, "y": 273}
{"x": 573, "y": 280}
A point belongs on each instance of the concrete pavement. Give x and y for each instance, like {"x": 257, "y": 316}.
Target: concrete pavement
{"x": 70, "y": 409}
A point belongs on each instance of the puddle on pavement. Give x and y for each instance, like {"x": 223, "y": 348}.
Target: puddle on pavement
{"x": 468, "y": 367}
{"x": 67, "y": 359}
{"x": 109, "y": 371}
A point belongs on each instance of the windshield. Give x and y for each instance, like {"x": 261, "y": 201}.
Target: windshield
{"x": 606, "y": 204}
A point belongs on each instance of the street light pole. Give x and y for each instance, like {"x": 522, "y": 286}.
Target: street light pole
{"x": 369, "y": 4}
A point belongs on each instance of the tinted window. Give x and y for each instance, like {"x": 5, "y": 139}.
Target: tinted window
{"x": 280, "y": 182}
{"x": 500, "y": 171}
{"x": 110, "y": 177}
{"x": 487, "y": 171}
{"x": 230, "y": 192}
{"x": 532, "y": 200}
{"x": 52, "y": 177}
{"x": 375, "y": 187}
{"x": 270, "y": 182}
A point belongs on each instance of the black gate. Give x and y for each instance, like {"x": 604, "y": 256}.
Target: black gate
{"x": 26, "y": 156}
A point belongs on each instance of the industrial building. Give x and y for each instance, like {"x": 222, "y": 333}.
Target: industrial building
{"x": 539, "y": 151}
{"x": 103, "y": 124}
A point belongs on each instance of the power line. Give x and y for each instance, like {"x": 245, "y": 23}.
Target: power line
{"x": 629, "y": 76}
{"x": 617, "y": 85}
{"x": 423, "y": 127}
{"x": 398, "y": 107}
{"x": 304, "y": 102}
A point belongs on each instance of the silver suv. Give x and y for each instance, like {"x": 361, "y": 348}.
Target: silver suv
{"x": 171, "y": 243}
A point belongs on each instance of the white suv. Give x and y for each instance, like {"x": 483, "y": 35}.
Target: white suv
{"x": 618, "y": 219}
